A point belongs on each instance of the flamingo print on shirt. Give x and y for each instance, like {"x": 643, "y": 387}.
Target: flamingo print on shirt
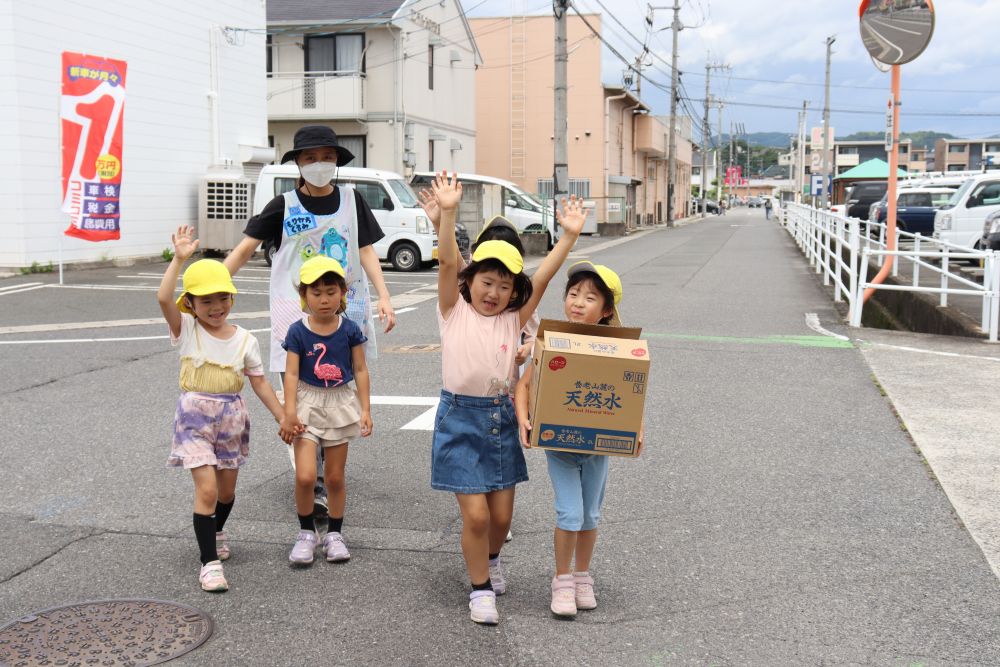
{"x": 325, "y": 372}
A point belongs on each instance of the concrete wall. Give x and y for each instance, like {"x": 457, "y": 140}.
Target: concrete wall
{"x": 167, "y": 129}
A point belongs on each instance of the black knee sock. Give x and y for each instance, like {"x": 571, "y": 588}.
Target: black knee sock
{"x": 335, "y": 524}
{"x": 495, "y": 556}
{"x": 204, "y": 532}
{"x": 486, "y": 586}
{"x": 222, "y": 511}
{"x": 306, "y": 522}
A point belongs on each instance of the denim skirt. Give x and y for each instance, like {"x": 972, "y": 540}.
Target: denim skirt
{"x": 476, "y": 449}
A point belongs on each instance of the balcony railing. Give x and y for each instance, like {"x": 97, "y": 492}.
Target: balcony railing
{"x": 305, "y": 95}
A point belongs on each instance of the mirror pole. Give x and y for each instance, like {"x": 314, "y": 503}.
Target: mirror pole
{"x": 890, "y": 216}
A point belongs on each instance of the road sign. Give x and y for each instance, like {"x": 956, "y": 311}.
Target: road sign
{"x": 816, "y": 185}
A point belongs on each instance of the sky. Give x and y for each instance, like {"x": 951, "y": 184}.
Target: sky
{"x": 765, "y": 41}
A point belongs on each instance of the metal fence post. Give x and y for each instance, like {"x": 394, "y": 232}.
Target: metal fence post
{"x": 995, "y": 298}
{"x": 859, "y": 296}
{"x": 855, "y": 244}
{"x": 987, "y": 304}
{"x": 895, "y": 261}
{"x": 916, "y": 260}
{"x": 944, "y": 277}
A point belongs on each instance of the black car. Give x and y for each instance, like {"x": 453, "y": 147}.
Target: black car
{"x": 860, "y": 197}
{"x": 710, "y": 206}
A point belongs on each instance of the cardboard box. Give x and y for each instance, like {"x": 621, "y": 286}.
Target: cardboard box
{"x": 588, "y": 388}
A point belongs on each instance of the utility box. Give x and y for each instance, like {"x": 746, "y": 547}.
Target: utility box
{"x": 588, "y": 388}
{"x": 223, "y": 210}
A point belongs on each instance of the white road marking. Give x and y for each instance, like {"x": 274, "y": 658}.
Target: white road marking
{"x": 937, "y": 353}
{"x": 18, "y": 286}
{"x": 134, "y": 288}
{"x": 23, "y": 289}
{"x": 70, "y": 326}
{"x": 812, "y": 321}
{"x": 97, "y": 340}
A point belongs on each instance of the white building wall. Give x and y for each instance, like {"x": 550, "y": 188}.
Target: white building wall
{"x": 168, "y": 143}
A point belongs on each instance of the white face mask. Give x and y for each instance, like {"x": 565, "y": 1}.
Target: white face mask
{"x": 318, "y": 174}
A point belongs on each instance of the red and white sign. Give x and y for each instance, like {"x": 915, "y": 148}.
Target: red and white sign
{"x": 93, "y": 99}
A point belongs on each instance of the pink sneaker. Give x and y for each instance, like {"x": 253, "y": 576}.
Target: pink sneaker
{"x": 563, "y": 595}
{"x": 334, "y": 548}
{"x": 585, "y": 598}
{"x": 212, "y": 579}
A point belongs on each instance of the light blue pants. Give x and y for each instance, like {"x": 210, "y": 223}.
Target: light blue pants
{"x": 578, "y": 481}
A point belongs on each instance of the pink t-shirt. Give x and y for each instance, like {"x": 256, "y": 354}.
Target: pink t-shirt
{"x": 477, "y": 352}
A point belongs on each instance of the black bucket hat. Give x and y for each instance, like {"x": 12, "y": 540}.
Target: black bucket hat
{"x": 317, "y": 136}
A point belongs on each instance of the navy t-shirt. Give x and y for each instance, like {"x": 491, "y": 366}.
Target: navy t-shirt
{"x": 324, "y": 361}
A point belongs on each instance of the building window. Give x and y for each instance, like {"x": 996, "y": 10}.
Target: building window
{"x": 956, "y": 167}
{"x": 269, "y": 48}
{"x": 430, "y": 155}
{"x": 993, "y": 148}
{"x": 956, "y": 148}
{"x": 357, "y": 145}
{"x": 339, "y": 54}
{"x": 577, "y": 186}
{"x": 430, "y": 67}
{"x": 847, "y": 150}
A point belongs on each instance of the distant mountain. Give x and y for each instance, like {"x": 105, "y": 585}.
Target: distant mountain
{"x": 922, "y": 138}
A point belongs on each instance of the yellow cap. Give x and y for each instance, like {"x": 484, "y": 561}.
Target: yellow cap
{"x": 502, "y": 251}
{"x": 496, "y": 221}
{"x": 314, "y": 267}
{"x": 610, "y": 280}
{"x": 206, "y": 276}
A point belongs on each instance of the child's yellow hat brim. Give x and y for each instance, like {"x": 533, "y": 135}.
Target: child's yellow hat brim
{"x": 501, "y": 251}
{"x": 606, "y": 276}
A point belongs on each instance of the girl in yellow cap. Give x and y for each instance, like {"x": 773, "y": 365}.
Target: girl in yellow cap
{"x": 212, "y": 425}
{"x": 475, "y": 453}
{"x": 592, "y": 294}
{"x": 325, "y": 352}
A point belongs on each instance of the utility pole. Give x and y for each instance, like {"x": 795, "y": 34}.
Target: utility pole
{"x": 718, "y": 152}
{"x": 675, "y": 27}
{"x": 826, "y": 124}
{"x": 706, "y": 130}
{"x": 729, "y": 177}
{"x": 800, "y": 166}
{"x": 560, "y": 175}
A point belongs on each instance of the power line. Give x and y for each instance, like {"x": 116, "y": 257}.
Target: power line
{"x": 968, "y": 114}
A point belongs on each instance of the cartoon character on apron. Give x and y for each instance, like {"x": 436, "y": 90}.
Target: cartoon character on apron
{"x": 304, "y": 235}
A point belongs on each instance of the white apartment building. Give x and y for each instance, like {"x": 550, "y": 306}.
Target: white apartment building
{"x": 194, "y": 103}
{"x": 395, "y": 79}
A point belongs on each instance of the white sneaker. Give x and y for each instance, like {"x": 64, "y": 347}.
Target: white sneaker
{"x": 483, "y": 607}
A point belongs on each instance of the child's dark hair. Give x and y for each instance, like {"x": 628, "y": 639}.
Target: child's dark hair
{"x": 500, "y": 233}
{"x": 328, "y": 278}
{"x": 595, "y": 280}
{"x": 522, "y": 284}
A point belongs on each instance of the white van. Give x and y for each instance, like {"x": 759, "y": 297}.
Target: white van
{"x": 960, "y": 221}
{"x": 409, "y": 240}
{"x": 523, "y": 209}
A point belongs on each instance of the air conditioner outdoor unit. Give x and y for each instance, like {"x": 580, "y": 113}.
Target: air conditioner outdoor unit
{"x": 223, "y": 209}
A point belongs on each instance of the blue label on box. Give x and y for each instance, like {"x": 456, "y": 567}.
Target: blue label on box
{"x": 594, "y": 440}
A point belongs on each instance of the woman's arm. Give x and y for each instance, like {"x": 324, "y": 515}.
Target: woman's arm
{"x": 571, "y": 218}
{"x": 241, "y": 254}
{"x": 184, "y": 246}
{"x": 363, "y": 381}
{"x": 370, "y": 263}
{"x": 448, "y": 192}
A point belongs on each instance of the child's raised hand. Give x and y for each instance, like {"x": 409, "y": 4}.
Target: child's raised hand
{"x": 447, "y": 190}
{"x": 366, "y": 423}
{"x": 572, "y": 216}
{"x": 430, "y": 205}
{"x": 184, "y": 242}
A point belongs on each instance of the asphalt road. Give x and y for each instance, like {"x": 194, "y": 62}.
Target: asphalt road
{"x": 779, "y": 516}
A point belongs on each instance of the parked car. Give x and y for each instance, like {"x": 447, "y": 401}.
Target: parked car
{"x": 860, "y": 197}
{"x": 710, "y": 205}
{"x": 961, "y": 220}
{"x": 915, "y": 209}
{"x": 991, "y": 232}
{"x": 755, "y": 202}
{"x": 409, "y": 240}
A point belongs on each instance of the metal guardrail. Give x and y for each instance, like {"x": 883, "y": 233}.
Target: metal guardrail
{"x": 826, "y": 238}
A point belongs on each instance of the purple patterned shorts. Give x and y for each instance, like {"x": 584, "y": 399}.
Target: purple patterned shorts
{"x": 210, "y": 430}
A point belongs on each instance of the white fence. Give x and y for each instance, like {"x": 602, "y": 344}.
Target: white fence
{"x": 840, "y": 248}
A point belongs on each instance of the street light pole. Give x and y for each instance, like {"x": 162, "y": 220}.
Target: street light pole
{"x": 560, "y": 174}
{"x": 826, "y": 124}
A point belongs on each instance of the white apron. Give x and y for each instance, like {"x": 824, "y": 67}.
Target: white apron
{"x": 304, "y": 235}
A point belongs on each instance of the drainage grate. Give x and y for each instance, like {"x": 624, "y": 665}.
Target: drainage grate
{"x": 105, "y": 632}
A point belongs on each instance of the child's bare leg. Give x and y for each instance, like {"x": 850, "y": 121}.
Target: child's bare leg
{"x": 226, "y": 481}
{"x": 336, "y": 484}
{"x": 475, "y": 535}
{"x": 565, "y": 544}
{"x": 206, "y": 490}
{"x": 305, "y": 475}
{"x": 501, "y": 506}
{"x": 585, "y": 542}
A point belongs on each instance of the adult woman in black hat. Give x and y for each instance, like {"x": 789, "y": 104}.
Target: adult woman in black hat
{"x": 308, "y": 221}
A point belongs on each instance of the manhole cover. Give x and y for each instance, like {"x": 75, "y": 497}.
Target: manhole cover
{"x": 104, "y": 632}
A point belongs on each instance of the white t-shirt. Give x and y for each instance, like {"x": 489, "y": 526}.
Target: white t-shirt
{"x": 206, "y": 347}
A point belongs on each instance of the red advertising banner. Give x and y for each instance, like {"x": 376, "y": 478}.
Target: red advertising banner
{"x": 93, "y": 99}
{"x": 733, "y": 175}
